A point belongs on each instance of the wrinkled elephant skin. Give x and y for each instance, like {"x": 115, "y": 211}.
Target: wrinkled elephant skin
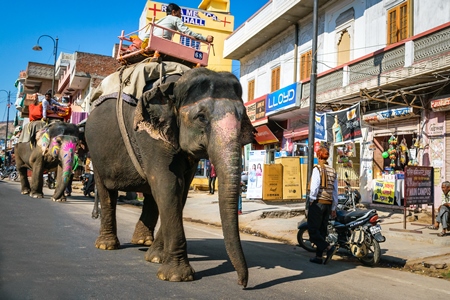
{"x": 171, "y": 128}
{"x": 54, "y": 147}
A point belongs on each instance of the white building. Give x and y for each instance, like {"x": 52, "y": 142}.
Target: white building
{"x": 392, "y": 57}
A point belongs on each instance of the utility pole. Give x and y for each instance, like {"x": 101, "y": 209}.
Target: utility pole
{"x": 312, "y": 94}
{"x": 8, "y": 105}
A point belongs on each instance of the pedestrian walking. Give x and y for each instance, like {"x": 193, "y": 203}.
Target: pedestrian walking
{"x": 323, "y": 199}
{"x": 211, "y": 173}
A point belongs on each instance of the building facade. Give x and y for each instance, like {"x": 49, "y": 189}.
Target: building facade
{"x": 390, "y": 58}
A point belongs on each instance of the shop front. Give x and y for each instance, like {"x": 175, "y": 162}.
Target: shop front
{"x": 394, "y": 140}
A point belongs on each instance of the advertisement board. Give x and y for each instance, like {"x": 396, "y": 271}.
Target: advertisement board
{"x": 291, "y": 177}
{"x": 256, "y": 159}
{"x": 419, "y": 187}
{"x": 273, "y": 182}
{"x": 383, "y": 191}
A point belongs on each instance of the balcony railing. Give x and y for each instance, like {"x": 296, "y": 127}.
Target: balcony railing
{"x": 384, "y": 66}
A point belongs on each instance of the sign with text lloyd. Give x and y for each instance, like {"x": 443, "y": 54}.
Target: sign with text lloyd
{"x": 283, "y": 99}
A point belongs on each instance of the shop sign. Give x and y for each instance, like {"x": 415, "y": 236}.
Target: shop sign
{"x": 264, "y": 135}
{"x": 283, "y": 99}
{"x": 256, "y": 110}
{"x": 419, "y": 187}
{"x": 383, "y": 191}
{"x": 320, "y": 132}
{"x": 344, "y": 125}
{"x": 388, "y": 115}
{"x": 436, "y": 129}
{"x": 441, "y": 104}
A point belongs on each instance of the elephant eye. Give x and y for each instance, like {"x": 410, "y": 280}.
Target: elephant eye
{"x": 201, "y": 117}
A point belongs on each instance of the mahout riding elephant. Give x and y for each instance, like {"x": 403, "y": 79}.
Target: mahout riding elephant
{"x": 51, "y": 146}
{"x": 168, "y": 130}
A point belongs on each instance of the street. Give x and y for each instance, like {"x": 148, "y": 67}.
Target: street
{"x": 47, "y": 252}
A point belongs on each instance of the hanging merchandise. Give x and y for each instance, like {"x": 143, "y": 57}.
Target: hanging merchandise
{"x": 344, "y": 154}
{"x": 392, "y": 150}
{"x": 413, "y": 153}
{"x": 403, "y": 150}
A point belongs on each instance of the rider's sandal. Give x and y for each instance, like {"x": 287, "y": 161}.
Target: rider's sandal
{"x": 441, "y": 234}
{"x": 432, "y": 227}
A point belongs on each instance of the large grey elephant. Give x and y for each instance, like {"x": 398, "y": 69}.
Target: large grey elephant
{"x": 51, "y": 146}
{"x": 168, "y": 130}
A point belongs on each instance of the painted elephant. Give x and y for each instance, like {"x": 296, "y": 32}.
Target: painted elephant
{"x": 53, "y": 146}
{"x": 169, "y": 129}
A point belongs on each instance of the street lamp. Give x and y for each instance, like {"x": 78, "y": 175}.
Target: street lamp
{"x": 55, "y": 50}
{"x": 7, "y": 119}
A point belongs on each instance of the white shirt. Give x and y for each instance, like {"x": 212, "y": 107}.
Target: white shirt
{"x": 46, "y": 104}
{"x": 315, "y": 186}
{"x": 174, "y": 23}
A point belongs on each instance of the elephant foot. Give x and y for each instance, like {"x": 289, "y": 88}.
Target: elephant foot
{"x": 61, "y": 199}
{"x": 176, "y": 272}
{"x": 142, "y": 235}
{"x": 154, "y": 254}
{"x": 25, "y": 192}
{"x": 36, "y": 195}
{"x": 107, "y": 243}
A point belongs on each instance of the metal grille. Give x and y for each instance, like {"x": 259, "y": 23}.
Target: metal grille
{"x": 432, "y": 45}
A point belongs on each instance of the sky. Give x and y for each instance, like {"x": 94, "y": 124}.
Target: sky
{"x": 81, "y": 25}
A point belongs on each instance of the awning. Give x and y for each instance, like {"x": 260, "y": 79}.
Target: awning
{"x": 265, "y": 136}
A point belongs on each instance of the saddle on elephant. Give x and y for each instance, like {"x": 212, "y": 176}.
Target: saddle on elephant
{"x": 55, "y": 112}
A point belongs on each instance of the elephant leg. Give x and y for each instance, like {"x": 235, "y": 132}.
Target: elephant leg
{"x": 24, "y": 182}
{"x": 37, "y": 180}
{"x": 175, "y": 264}
{"x": 155, "y": 252}
{"x": 58, "y": 195}
{"x": 145, "y": 227}
{"x": 107, "y": 240}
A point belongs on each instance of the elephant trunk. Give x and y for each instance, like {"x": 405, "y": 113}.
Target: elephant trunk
{"x": 225, "y": 154}
{"x": 66, "y": 157}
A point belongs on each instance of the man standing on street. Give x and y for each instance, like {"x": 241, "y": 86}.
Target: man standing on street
{"x": 323, "y": 199}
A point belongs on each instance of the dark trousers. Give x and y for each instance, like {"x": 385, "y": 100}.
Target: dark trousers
{"x": 212, "y": 184}
{"x": 318, "y": 216}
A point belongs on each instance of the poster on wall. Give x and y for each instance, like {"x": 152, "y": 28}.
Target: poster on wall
{"x": 344, "y": 125}
{"x": 383, "y": 191}
{"x": 320, "y": 132}
{"x": 256, "y": 161}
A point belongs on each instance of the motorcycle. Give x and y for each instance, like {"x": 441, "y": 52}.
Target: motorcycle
{"x": 88, "y": 184}
{"x": 10, "y": 172}
{"x": 49, "y": 179}
{"x": 356, "y": 231}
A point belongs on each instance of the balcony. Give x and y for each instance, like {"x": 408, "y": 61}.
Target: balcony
{"x": 393, "y": 73}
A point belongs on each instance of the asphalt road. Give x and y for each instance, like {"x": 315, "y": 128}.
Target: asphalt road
{"x": 47, "y": 252}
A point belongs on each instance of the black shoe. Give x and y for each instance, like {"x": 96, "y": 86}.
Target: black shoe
{"x": 330, "y": 254}
{"x": 316, "y": 260}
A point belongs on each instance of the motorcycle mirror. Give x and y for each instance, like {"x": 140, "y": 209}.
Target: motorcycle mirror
{"x": 346, "y": 175}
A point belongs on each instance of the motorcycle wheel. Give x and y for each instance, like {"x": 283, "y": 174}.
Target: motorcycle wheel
{"x": 51, "y": 185}
{"x": 14, "y": 176}
{"x": 92, "y": 194}
{"x": 303, "y": 240}
{"x": 374, "y": 255}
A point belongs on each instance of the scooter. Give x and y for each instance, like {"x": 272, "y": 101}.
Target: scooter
{"x": 49, "y": 180}
{"x": 350, "y": 198}
{"x": 356, "y": 231}
{"x": 10, "y": 172}
{"x": 88, "y": 184}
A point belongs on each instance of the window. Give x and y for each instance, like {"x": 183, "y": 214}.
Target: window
{"x": 251, "y": 90}
{"x": 305, "y": 65}
{"x": 275, "y": 79}
{"x": 399, "y": 20}
{"x": 343, "y": 48}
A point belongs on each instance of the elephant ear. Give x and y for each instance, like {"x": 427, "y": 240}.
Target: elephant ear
{"x": 155, "y": 114}
{"x": 247, "y": 131}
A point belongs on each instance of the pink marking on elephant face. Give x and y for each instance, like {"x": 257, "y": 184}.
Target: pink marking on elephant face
{"x": 227, "y": 128}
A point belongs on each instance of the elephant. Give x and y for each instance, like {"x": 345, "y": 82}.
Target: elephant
{"x": 171, "y": 127}
{"x": 52, "y": 146}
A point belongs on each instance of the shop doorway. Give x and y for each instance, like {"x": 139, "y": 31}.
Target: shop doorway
{"x": 347, "y": 161}
{"x": 389, "y": 165}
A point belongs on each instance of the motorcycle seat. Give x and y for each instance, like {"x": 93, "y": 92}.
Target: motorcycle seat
{"x": 346, "y": 217}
